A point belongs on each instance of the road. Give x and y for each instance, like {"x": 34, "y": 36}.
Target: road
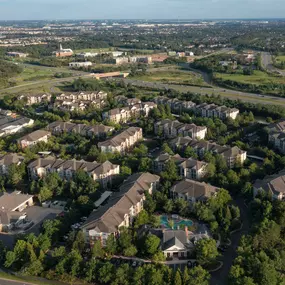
{"x": 231, "y": 94}
{"x": 221, "y": 276}
{"x": 267, "y": 63}
{"x": 12, "y": 282}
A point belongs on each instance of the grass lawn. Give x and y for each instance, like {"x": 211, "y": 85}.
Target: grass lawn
{"x": 25, "y": 280}
{"x": 280, "y": 58}
{"x": 258, "y": 78}
{"x": 94, "y": 50}
{"x": 173, "y": 77}
{"x": 34, "y": 74}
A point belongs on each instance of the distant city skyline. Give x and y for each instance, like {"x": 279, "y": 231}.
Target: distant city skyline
{"x": 137, "y": 9}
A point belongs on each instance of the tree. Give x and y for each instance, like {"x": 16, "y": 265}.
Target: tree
{"x": 198, "y": 275}
{"x": 145, "y": 164}
{"x": 141, "y": 219}
{"x": 122, "y": 275}
{"x": 138, "y": 276}
{"x": 177, "y": 278}
{"x": 79, "y": 242}
{"x": 126, "y": 171}
{"x": 151, "y": 244}
{"x": 168, "y": 206}
{"x": 130, "y": 251}
{"x": 10, "y": 259}
{"x": 206, "y": 251}
{"x": 89, "y": 270}
{"x": 221, "y": 164}
{"x": 149, "y": 203}
{"x": 97, "y": 250}
{"x": 111, "y": 245}
{"x": 170, "y": 172}
{"x": 45, "y": 194}
{"x": 167, "y": 149}
{"x": 190, "y": 152}
{"x": 106, "y": 273}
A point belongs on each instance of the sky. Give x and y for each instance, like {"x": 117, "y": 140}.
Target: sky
{"x": 140, "y": 9}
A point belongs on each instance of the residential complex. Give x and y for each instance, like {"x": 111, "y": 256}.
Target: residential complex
{"x": 99, "y": 131}
{"x": 273, "y": 185}
{"x": 36, "y": 99}
{"x": 11, "y": 125}
{"x": 276, "y": 135}
{"x": 121, "y": 208}
{"x": 122, "y": 115}
{"x": 101, "y": 172}
{"x": 34, "y": 138}
{"x": 192, "y": 191}
{"x": 204, "y": 110}
{"x": 172, "y": 129}
{"x": 123, "y": 141}
{"x": 232, "y": 155}
{"x": 6, "y": 160}
{"x": 188, "y": 168}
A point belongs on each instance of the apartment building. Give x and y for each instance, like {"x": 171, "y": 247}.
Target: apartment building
{"x": 193, "y": 191}
{"x": 232, "y": 155}
{"x": 204, "y": 110}
{"x": 176, "y": 105}
{"x": 101, "y": 172}
{"x": 276, "y": 135}
{"x": 17, "y": 54}
{"x": 128, "y": 101}
{"x": 273, "y": 185}
{"x": 193, "y": 169}
{"x": 215, "y": 111}
{"x": 36, "y": 99}
{"x": 122, "y": 115}
{"x": 78, "y": 64}
{"x": 99, "y": 131}
{"x": 172, "y": 129}
{"x": 12, "y": 125}
{"x": 123, "y": 141}
{"x": 121, "y": 209}
{"x": 34, "y": 138}
{"x": 85, "y": 96}
{"x": 187, "y": 168}
{"x": 6, "y": 160}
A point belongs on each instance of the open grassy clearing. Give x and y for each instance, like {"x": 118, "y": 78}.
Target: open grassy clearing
{"x": 280, "y": 58}
{"x": 94, "y": 50}
{"x": 259, "y": 78}
{"x": 173, "y": 77}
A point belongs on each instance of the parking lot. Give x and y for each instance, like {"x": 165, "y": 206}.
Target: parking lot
{"x": 38, "y": 214}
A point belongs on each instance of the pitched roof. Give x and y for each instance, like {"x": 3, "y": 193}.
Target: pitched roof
{"x": 109, "y": 217}
{"x": 11, "y": 158}
{"x": 122, "y": 137}
{"x": 10, "y": 201}
{"x": 34, "y": 136}
{"x": 172, "y": 238}
{"x": 195, "y": 189}
{"x": 274, "y": 184}
{"x": 73, "y": 165}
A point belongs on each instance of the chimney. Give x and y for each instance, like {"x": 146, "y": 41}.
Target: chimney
{"x": 186, "y": 231}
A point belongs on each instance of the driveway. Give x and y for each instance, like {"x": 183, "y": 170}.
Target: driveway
{"x": 220, "y": 277}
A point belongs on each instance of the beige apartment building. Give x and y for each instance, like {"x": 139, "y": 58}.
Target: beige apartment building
{"x": 34, "y": 138}
{"x": 123, "y": 141}
{"x": 172, "y": 129}
{"x": 101, "y": 172}
{"x": 6, "y": 160}
{"x": 36, "y": 99}
{"x": 121, "y": 209}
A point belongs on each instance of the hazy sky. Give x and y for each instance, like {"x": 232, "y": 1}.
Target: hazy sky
{"x": 140, "y": 9}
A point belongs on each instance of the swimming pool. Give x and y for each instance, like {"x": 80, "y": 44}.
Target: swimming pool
{"x": 178, "y": 224}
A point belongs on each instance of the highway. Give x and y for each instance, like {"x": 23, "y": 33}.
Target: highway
{"x": 12, "y": 282}
{"x": 231, "y": 94}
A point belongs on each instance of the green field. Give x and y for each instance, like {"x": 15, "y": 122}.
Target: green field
{"x": 94, "y": 50}
{"x": 280, "y": 58}
{"x": 173, "y": 77}
{"x": 258, "y": 78}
